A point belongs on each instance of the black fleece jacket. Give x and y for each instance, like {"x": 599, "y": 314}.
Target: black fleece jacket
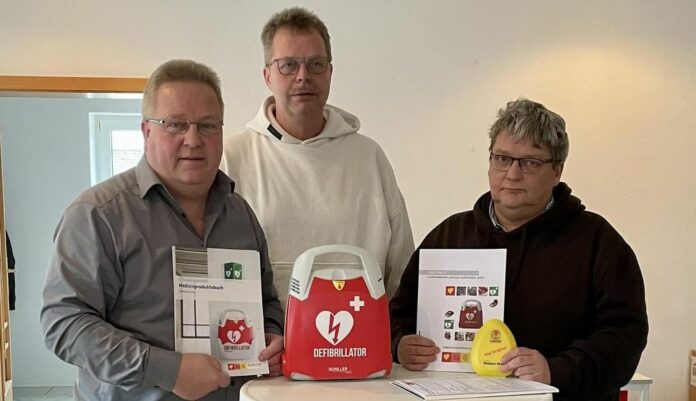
{"x": 574, "y": 292}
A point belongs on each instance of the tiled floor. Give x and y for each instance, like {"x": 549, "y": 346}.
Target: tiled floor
{"x": 42, "y": 393}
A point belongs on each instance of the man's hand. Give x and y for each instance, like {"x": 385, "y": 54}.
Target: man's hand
{"x": 198, "y": 375}
{"x": 416, "y": 352}
{"x": 274, "y": 346}
{"x": 527, "y": 364}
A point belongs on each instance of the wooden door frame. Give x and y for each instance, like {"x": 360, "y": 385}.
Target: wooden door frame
{"x": 46, "y": 85}
{"x": 17, "y": 83}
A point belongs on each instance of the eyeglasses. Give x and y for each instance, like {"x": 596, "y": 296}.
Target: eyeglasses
{"x": 180, "y": 127}
{"x": 528, "y": 165}
{"x": 291, "y": 65}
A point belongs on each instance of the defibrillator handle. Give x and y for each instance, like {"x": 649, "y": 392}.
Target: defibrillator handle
{"x": 304, "y": 266}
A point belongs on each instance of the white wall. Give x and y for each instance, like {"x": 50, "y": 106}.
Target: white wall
{"x": 427, "y": 77}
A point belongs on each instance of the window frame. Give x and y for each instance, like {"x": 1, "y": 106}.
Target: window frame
{"x": 100, "y": 133}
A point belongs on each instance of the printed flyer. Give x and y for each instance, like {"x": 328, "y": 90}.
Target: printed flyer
{"x": 471, "y": 386}
{"x": 458, "y": 291}
{"x": 218, "y": 308}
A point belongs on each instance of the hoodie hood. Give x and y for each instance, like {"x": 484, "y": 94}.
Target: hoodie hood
{"x": 565, "y": 207}
{"x": 338, "y": 123}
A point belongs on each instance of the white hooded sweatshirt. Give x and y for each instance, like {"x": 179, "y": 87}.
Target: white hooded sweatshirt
{"x": 335, "y": 188}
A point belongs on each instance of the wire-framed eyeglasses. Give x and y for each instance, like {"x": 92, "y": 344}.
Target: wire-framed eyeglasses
{"x": 180, "y": 127}
{"x": 529, "y": 165}
{"x": 291, "y": 65}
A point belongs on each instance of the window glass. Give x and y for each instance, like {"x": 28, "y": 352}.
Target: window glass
{"x": 116, "y": 144}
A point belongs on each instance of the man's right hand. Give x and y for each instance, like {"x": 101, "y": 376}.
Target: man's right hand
{"x": 198, "y": 375}
{"x": 416, "y": 352}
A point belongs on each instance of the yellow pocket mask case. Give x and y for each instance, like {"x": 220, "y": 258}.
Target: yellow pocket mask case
{"x": 493, "y": 340}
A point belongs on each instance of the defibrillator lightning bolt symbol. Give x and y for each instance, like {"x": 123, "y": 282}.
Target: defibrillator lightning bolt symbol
{"x": 334, "y": 328}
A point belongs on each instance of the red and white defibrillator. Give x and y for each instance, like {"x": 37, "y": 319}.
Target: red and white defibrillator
{"x": 337, "y": 319}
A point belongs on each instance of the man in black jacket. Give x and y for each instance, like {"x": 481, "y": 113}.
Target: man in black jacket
{"x": 10, "y": 272}
{"x": 575, "y": 298}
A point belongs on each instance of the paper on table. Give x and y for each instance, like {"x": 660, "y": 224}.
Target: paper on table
{"x": 458, "y": 290}
{"x": 471, "y": 386}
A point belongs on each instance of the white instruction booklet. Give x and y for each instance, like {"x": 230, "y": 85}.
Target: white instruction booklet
{"x": 458, "y": 291}
{"x": 218, "y": 307}
{"x": 471, "y": 386}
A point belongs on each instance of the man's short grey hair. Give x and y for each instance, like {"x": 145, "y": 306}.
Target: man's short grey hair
{"x": 526, "y": 119}
{"x": 179, "y": 71}
{"x": 295, "y": 18}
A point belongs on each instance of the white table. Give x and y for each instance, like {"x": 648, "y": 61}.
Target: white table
{"x": 282, "y": 389}
{"x": 641, "y": 383}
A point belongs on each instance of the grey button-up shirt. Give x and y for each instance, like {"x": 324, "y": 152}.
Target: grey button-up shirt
{"x": 108, "y": 304}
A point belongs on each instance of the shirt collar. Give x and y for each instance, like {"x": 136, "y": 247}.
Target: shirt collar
{"x": 148, "y": 179}
{"x": 274, "y": 127}
{"x": 494, "y": 219}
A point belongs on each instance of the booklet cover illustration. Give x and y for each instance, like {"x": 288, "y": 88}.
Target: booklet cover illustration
{"x": 459, "y": 290}
{"x": 217, "y": 307}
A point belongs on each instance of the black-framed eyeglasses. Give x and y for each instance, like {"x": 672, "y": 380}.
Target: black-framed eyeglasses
{"x": 529, "y": 165}
{"x": 291, "y": 65}
{"x": 180, "y": 127}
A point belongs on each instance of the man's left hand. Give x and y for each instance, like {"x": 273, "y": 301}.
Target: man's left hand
{"x": 527, "y": 364}
{"x": 274, "y": 347}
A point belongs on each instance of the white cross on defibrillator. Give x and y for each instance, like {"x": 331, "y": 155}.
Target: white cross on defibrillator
{"x": 356, "y": 303}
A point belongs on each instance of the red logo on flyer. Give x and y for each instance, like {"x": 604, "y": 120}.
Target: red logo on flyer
{"x": 235, "y": 332}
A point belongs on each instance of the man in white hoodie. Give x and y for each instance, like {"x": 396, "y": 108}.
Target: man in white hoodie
{"x": 310, "y": 177}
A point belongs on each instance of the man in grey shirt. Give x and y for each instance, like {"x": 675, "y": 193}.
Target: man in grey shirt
{"x": 108, "y": 298}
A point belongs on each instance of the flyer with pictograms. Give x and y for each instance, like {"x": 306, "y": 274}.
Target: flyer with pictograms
{"x": 218, "y": 307}
{"x": 458, "y": 291}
